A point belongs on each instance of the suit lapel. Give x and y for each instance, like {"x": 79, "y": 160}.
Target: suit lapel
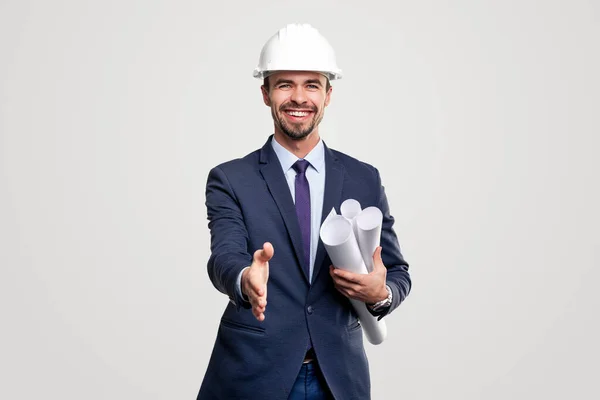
{"x": 334, "y": 178}
{"x": 278, "y": 187}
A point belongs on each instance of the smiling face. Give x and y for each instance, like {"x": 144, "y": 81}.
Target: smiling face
{"x": 297, "y": 100}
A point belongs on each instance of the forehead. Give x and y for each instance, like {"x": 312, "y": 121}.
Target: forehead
{"x": 297, "y": 76}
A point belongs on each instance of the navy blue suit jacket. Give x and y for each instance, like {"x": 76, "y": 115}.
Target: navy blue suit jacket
{"x": 249, "y": 203}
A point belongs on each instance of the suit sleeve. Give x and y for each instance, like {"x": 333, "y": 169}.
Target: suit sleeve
{"x": 398, "y": 277}
{"x": 229, "y": 237}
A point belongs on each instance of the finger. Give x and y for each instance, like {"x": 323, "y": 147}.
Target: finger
{"x": 347, "y": 276}
{"x": 377, "y": 261}
{"x": 258, "y": 306}
{"x": 265, "y": 254}
{"x": 258, "y": 309}
{"x": 258, "y": 315}
{"x": 261, "y": 302}
{"x": 347, "y": 293}
{"x": 257, "y": 285}
{"x": 258, "y": 300}
{"x": 252, "y": 284}
{"x": 258, "y": 312}
{"x": 254, "y": 290}
{"x": 349, "y": 286}
{"x": 257, "y": 295}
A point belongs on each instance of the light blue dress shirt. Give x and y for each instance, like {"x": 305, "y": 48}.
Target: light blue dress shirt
{"x": 315, "y": 174}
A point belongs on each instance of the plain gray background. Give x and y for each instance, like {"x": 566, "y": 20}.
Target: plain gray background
{"x": 482, "y": 117}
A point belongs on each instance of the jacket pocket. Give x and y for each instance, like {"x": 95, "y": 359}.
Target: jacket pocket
{"x": 353, "y": 326}
{"x": 242, "y": 327}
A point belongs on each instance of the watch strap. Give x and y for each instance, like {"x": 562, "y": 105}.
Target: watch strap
{"x": 383, "y": 303}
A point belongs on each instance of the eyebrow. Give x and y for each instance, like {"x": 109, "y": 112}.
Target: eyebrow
{"x": 280, "y": 81}
{"x": 318, "y": 82}
{"x": 313, "y": 81}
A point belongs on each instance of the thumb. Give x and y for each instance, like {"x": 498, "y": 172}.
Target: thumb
{"x": 377, "y": 261}
{"x": 265, "y": 254}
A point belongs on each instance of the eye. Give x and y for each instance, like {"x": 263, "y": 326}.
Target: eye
{"x": 284, "y": 86}
{"x": 313, "y": 87}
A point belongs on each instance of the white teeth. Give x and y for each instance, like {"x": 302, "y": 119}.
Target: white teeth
{"x": 298, "y": 113}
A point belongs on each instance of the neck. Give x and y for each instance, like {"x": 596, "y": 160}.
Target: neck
{"x": 299, "y": 148}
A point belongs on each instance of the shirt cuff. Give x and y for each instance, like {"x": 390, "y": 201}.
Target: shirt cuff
{"x": 238, "y": 285}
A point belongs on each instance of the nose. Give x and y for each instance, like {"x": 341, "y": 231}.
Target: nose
{"x": 298, "y": 95}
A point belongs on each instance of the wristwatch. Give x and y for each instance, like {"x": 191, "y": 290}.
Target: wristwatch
{"x": 383, "y": 304}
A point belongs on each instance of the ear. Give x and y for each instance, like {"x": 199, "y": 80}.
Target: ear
{"x": 265, "y": 94}
{"x": 328, "y": 96}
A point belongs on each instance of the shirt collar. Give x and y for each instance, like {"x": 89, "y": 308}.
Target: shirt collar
{"x": 316, "y": 157}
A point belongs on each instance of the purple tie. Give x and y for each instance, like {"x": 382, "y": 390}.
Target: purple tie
{"x": 303, "y": 209}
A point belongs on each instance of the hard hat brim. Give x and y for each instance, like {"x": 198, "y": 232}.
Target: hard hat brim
{"x": 331, "y": 75}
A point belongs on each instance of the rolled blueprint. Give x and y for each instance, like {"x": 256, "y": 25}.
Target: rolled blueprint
{"x": 341, "y": 245}
{"x": 349, "y": 209}
{"x": 368, "y": 233}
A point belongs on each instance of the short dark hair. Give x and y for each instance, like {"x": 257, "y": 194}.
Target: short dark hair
{"x": 266, "y": 84}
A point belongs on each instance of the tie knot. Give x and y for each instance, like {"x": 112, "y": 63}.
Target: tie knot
{"x": 300, "y": 166}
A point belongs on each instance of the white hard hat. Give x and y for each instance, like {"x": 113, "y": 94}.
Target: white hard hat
{"x": 297, "y": 47}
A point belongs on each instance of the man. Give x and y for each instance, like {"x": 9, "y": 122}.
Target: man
{"x": 289, "y": 331}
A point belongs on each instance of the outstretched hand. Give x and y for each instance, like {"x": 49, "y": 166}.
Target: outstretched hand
{"x": 368, "y": 288}
{"x": 254, "y": 280}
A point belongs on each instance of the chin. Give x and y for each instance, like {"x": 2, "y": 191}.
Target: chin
{"x": 299, "y": 137}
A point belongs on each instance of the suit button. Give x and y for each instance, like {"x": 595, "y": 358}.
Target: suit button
{"x": 309, "y": 309}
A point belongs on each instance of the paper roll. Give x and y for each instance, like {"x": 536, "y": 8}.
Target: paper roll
{"x": 368, "y": 233}
{"x": 350, "y": 208}
{"x": 341, "y": 245}
{"x": 338, "y": 238}
{"x": 375, "y": 331}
